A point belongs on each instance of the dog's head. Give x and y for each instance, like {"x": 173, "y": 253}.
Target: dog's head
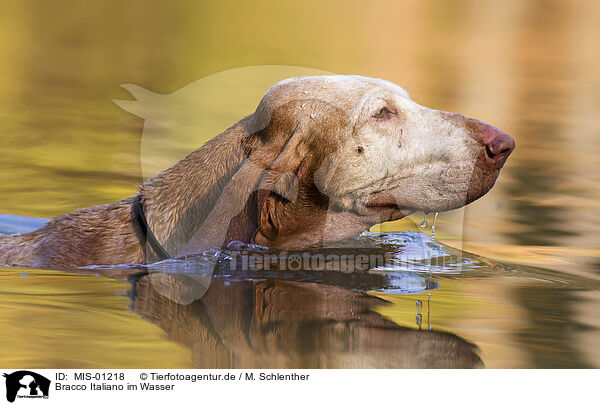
{"x": 327, "y": 157}
{"x": 342, "y": 153}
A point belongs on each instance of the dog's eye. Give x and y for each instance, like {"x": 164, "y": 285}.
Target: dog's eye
{"x": 381, "y": 113}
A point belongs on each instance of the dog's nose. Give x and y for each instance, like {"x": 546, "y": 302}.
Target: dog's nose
{"x": 496, "y": 143}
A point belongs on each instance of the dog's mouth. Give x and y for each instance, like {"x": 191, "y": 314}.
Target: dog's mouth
{"x": 384, "y": 201}
{"x": 388, "y": 207}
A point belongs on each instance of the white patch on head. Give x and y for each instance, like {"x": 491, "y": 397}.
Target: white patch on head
{"x": 416, "y": 158}
{"x": 424, "y": 156}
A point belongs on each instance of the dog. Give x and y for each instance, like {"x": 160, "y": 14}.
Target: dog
{"x": 323, "y": 158}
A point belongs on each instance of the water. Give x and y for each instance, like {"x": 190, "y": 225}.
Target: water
{"x": 525, "y": 295}
{"x": 226, "y": 315}
{"x": 433, "y": 224}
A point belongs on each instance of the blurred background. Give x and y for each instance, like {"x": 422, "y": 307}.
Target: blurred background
{"x": 530, "y": 68}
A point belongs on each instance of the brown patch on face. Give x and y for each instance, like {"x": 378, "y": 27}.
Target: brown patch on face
{"x": 291, "y": 209}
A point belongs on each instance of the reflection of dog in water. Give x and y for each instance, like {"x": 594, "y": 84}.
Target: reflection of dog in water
{"x": 275, "y": 323}
{"x": 26, "y": 383}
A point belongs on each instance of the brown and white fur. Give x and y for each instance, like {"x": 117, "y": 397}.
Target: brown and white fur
{"x": 321, "y": 159}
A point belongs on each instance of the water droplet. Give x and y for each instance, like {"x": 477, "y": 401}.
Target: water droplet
{"x": 418, "y": 316}
{"x": 433, "y": 225}
{"x": 429, "y": 311}
{"x": 424, "y": 223}
{"x": 313, "y": 115}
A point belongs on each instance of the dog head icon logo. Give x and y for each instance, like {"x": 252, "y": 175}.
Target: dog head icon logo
{"x": 26, "y": 384}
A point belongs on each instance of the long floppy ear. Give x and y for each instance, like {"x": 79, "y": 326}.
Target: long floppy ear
{"x": 288, "y": 180}
{"x": 273, "y": 179}
{"x": 226, "y": 215}
{"x": 279, "y": 184}
{"x": 281, "y": 176}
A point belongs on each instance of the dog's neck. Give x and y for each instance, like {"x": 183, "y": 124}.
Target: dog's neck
{"x": 178, "y": 201}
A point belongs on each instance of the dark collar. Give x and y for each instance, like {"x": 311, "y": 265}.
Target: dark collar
{"x": 147, "y": 232}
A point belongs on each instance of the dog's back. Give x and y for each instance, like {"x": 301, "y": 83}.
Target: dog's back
{"x": 101, "y": 234}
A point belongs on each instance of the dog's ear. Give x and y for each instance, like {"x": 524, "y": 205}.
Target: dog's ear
{"x": 298, "y": 134}
{"x": 281, "y": 175}
{"x": 287, "y": 185}
{"x": 279, "y": 183}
